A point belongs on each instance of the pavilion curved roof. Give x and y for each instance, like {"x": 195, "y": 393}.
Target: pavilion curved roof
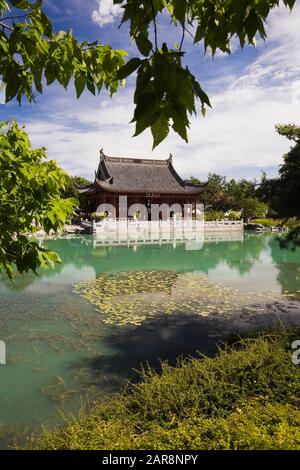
{"x": 132, "y": 175}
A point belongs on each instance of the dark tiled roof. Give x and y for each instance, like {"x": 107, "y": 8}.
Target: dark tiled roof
{"x": 138, "y": 175}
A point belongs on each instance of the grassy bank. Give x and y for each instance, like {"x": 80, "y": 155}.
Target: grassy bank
{"x": 247, "y": 397}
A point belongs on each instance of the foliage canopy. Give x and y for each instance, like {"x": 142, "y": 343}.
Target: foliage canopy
{"x": 166, "y": 90}
{"x": 31, "y": 53}
{"x": 30, "y": 197}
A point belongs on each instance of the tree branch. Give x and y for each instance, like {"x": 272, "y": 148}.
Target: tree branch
{"x": 5, "y": 26}
{"x": 14, "y": 17}
{"x": 183, "y": 36}
{"x": 155, "y": 26}
{"x": 188, "y": 31}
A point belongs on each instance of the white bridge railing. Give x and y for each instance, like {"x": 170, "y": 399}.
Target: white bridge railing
{"x": 165, "y": 225}
{"x": 225, "y": 224}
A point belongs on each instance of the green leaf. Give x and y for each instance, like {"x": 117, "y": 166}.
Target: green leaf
{"x": 180, "y": 7}
{"x": 144, "y": 121}
{"x": 46, "y": 24}
{"x": 21, "y": 4}
{"x": 79, "y": 84}
{"x": 143, "y": 44}
{"x": 91, "y": 87}
{"x": 180, "y": 124}
{"x": 147, "y": 103}
{"x": 160, "y": 130}
{"x": 129, "y": 68}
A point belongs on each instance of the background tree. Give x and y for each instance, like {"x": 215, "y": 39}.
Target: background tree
{"x": 70, "y": 190}
{"x": 283, "y": 193}
{"x": 215, "y": 196}
{"x": 223, "y": 195}
{"x": 267, "y": 192}
{"x": 288, "y": 190}
{"x": 252, "y": 208}
{"x": 74, "y": 182}
{"x": 240, "y": 191}
{"x": 194, "y": 180}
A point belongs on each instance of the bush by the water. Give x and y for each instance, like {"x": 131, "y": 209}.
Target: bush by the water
{"x": 98, "y": 216}
{"x": 246, "y": 397}
{"x": 212, "y": 215}
{"x": 267, "y": 222}
{"x": 234, "y": 216}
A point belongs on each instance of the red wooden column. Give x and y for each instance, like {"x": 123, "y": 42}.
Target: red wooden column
{"x": 182, "y": 202}
{"x": 117, "y": 206}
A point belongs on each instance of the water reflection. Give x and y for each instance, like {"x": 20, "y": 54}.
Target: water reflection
{"x": 238, "y": 253}
{"x": 287, "y": 263}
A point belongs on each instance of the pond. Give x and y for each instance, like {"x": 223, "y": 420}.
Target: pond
{"x": 80, "y": 331}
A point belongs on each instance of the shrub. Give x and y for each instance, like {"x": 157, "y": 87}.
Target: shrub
{"x": 292, "y": 223}
{"x": 213, "y": 215}
{"x": 98, "y": 216}
{"x": 267, "y": 222}
{"x": 233, "y": 215}
{"x": 247, "y": 397}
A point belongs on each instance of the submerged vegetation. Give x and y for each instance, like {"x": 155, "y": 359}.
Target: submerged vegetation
{"x": 247, "y": 397}
{"x": 130, "y": 298}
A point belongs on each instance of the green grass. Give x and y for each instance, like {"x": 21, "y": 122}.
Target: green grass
{"x": 246, "y": 397}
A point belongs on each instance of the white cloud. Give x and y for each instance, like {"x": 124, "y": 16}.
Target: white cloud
{"x": 237, "y": 135}
{"x": 106, "y": 13}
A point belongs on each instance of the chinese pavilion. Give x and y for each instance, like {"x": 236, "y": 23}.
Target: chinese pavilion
{"x": 141, "y": 181}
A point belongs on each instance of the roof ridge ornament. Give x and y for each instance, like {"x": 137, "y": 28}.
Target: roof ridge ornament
{"x": 170, "y": 159}
{"x": 102, "y": 156}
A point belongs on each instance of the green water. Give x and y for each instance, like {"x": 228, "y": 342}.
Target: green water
{"x": 64, "y": 348}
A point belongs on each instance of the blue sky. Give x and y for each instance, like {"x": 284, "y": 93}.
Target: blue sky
{"x": 250, "y": 92}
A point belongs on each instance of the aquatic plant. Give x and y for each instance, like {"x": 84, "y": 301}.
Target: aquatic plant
{"x": 130, "y": 298}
